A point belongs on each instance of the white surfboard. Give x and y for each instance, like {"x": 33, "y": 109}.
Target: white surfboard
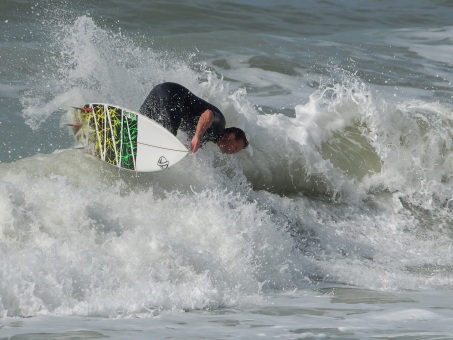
{"x": 126, "y": 139}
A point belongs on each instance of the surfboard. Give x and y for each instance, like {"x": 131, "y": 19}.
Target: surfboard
{"x": 124, "y": 138}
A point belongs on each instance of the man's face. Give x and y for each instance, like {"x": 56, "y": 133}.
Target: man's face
{"x": 230, "y": 145}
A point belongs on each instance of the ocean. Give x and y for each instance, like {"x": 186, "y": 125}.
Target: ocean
{"x": 339, "y": 226}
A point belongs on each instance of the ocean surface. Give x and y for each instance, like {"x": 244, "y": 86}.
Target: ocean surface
{"x": 339, "y": 226}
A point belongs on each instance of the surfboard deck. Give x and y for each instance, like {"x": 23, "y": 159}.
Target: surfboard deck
{"x": 124, "y": 138}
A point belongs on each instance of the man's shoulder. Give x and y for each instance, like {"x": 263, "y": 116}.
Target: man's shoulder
{"x": 219, "y": 118}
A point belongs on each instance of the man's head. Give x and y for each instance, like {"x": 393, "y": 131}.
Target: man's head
{"x": 232, "y": 141}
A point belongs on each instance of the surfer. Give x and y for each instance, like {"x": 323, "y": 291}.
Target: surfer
{"x": 175, "y": 107}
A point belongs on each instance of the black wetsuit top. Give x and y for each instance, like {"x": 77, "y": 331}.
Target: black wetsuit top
{"x": 173, "y": 106}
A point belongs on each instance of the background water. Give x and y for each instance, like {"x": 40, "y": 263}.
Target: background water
{"x": 339, "y": 225}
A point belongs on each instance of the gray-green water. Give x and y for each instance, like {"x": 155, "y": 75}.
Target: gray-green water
{"x": 338, "y": 226}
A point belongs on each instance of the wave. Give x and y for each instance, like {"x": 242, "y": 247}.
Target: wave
{"x": 348, "y": 190}
{"x": 79, "y": 239}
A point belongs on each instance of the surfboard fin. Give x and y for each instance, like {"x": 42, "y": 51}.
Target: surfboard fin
{"x": 85, "y": 109}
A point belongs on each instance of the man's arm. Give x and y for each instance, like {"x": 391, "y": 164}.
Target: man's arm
{"x": 204, "y": 122}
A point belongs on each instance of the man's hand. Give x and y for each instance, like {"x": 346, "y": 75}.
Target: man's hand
{"x": 195, "y": 144}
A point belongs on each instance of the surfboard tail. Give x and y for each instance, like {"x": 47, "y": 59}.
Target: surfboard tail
{"x": 78, "y": 123}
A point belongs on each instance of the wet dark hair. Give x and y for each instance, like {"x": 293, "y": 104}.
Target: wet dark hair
{"x": 238, "y": 134}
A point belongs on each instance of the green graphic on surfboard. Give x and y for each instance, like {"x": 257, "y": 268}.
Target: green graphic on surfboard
{"x": 111, "y": 130}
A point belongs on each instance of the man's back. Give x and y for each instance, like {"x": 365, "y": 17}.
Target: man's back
{"x": 174, "y": 106}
